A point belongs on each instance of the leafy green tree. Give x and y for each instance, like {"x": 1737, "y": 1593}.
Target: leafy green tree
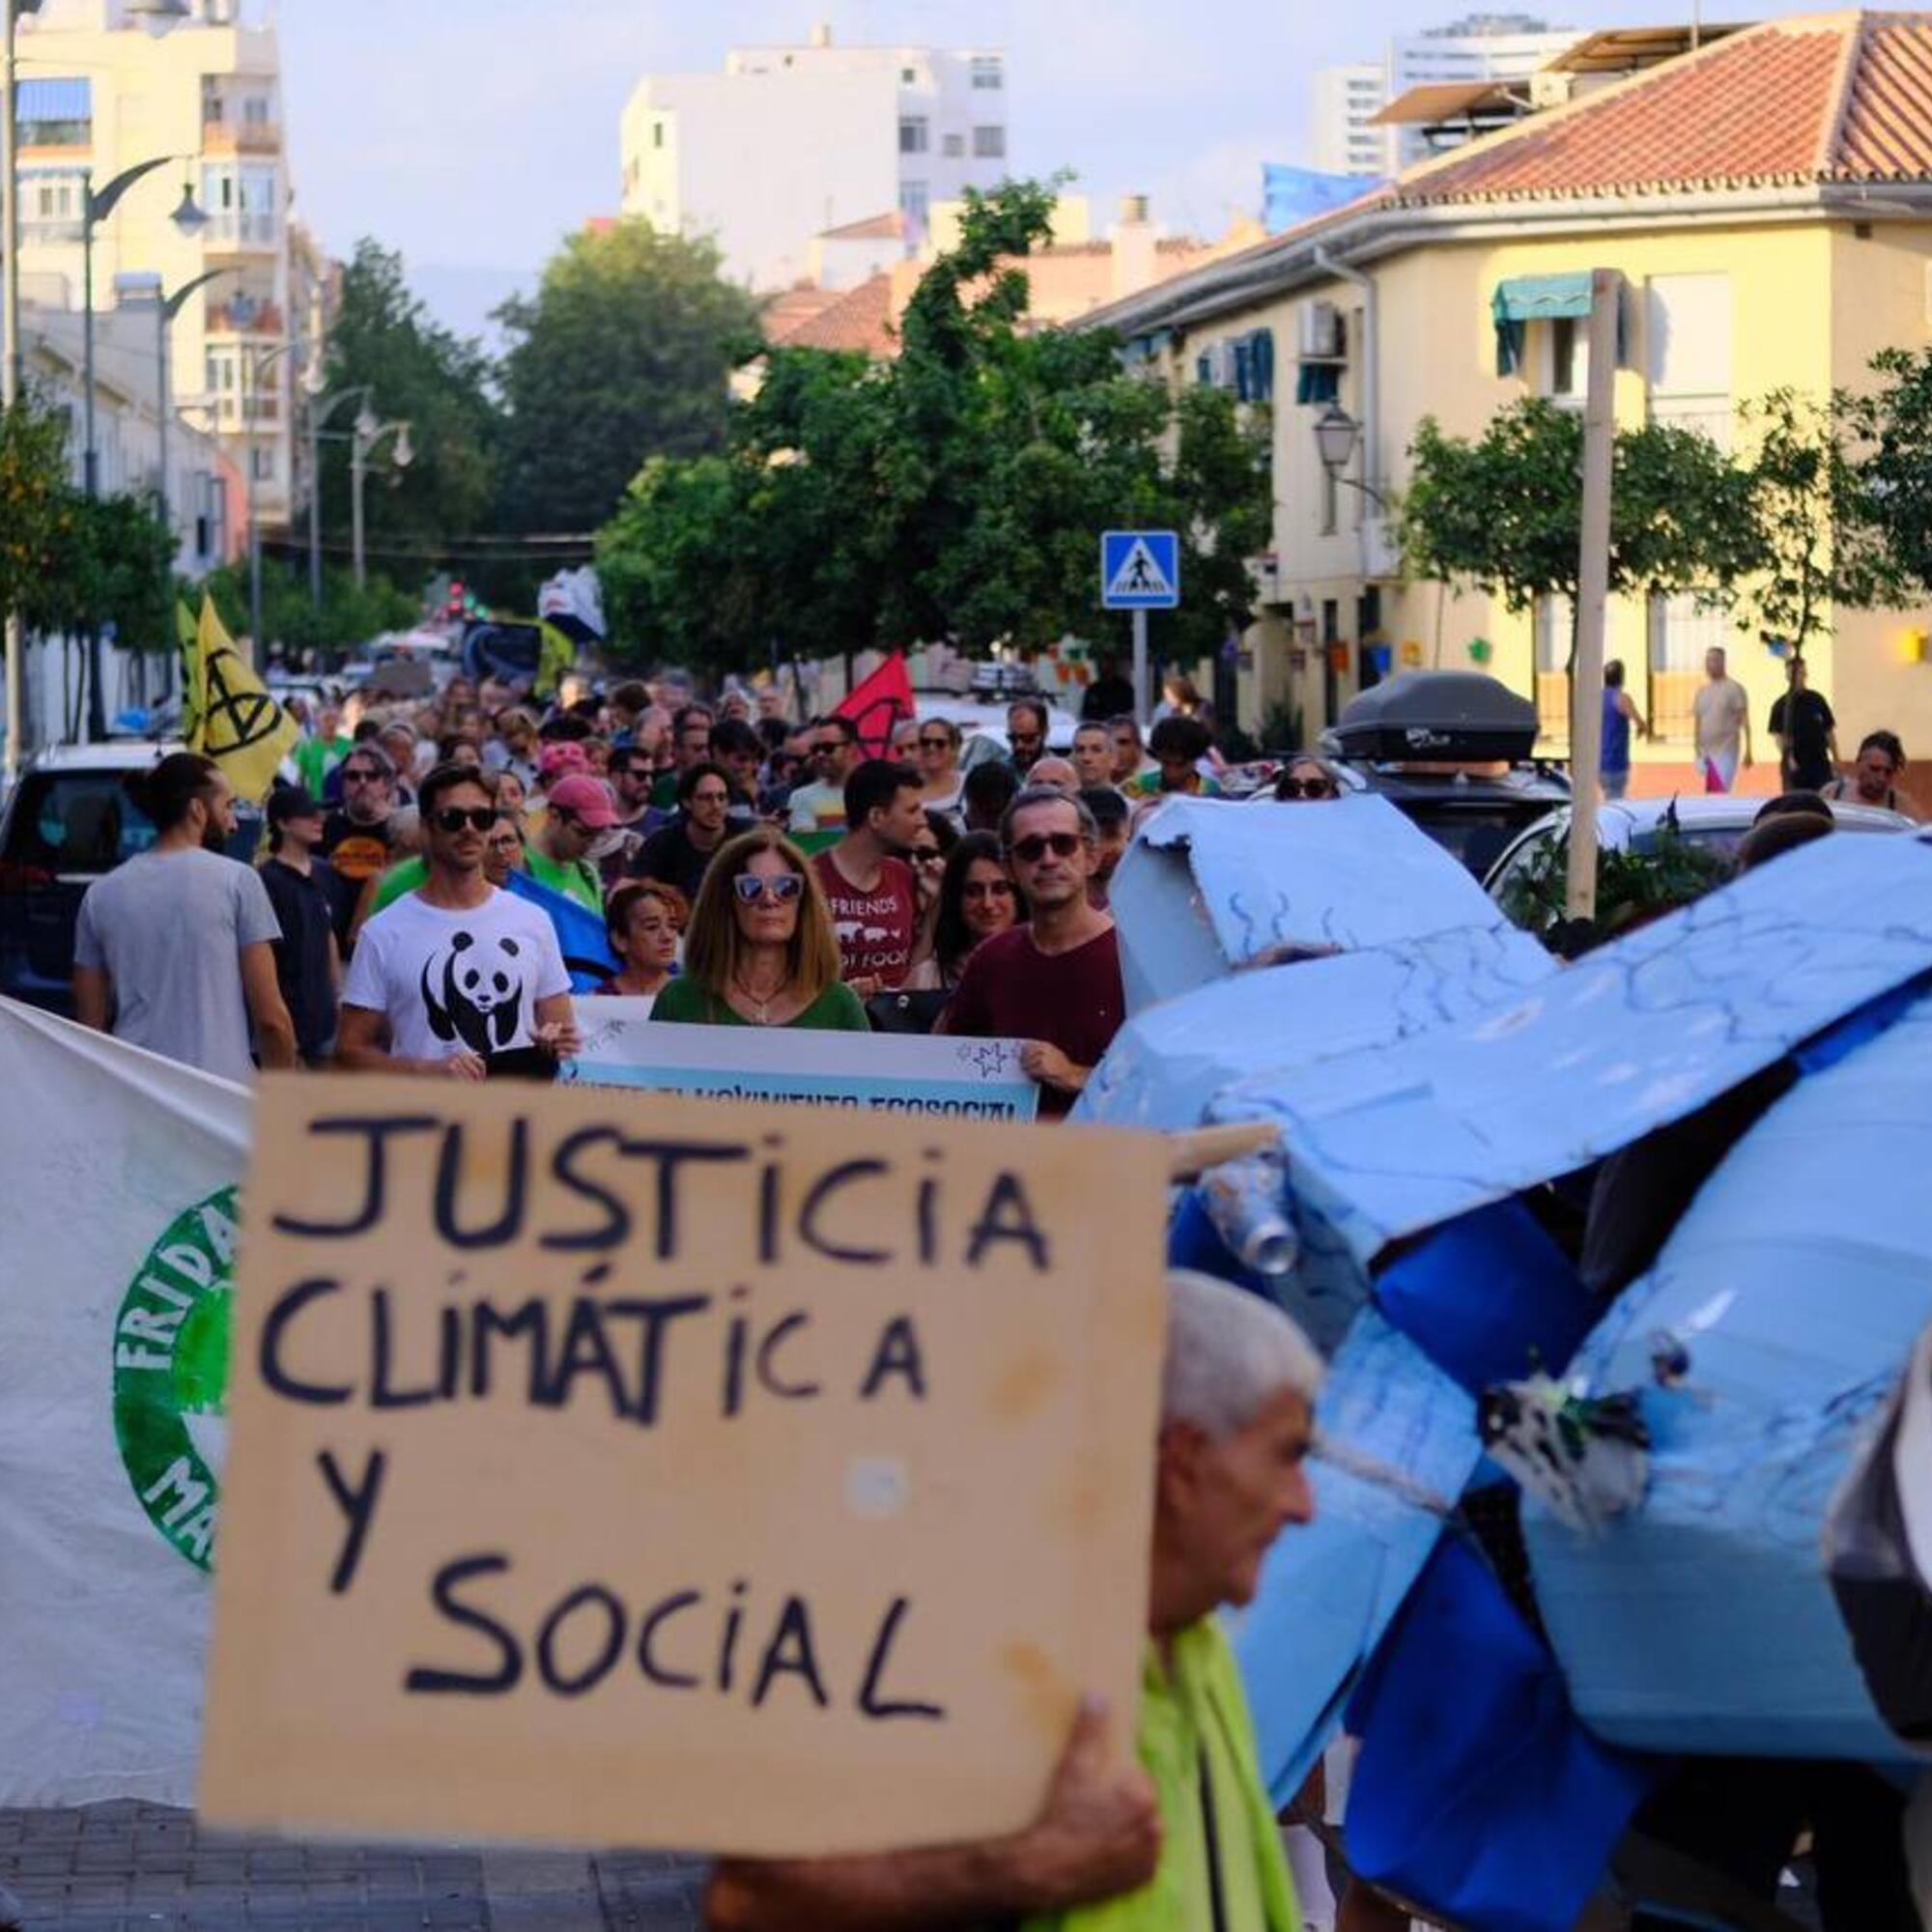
{"x": 35, "y": 497}
{"x": 1824, "y": 548}
{"x": 622, "y": 355}
{"x": 1503, "y": 512}
{"x": 417, "y": 371}
{"x": 956, "y": 491}
{"x": 349, "y": 616}
{"x": 1893, "y": 468}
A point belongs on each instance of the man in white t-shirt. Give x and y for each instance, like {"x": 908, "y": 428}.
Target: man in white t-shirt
{"x": 1721, "y": 714}
{"x": 456, "y": 977}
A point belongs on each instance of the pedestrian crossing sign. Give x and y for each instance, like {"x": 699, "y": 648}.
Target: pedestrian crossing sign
{"x": 1140, "y": 570}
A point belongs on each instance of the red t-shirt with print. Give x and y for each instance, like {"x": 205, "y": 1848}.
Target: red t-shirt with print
{"x": 875, "y": 928}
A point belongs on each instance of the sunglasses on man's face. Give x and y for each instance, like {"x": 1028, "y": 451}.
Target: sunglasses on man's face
{"x": 751, "y": 888}
{"x": 453, "y": 819}
{"x": 1017, "y": 738}
{"x": 360, "y": 775}
{"x": 1032, "y": 850}
{"x": 1287, "y": 788}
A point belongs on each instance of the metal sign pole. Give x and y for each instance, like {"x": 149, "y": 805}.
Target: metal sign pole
{"x": 1140, "y": 669}
{"x": 1593, "y": 572}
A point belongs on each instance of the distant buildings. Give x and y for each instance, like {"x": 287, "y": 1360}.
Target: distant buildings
{"x": 788, "y": 144}
{"x": 98, "y": 96}
{"x": 1483, "y": 47}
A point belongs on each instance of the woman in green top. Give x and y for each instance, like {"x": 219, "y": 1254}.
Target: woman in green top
{"x": 761, "y": 949}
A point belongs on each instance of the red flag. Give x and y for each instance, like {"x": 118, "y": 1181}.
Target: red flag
{"x": 879, "y": 703}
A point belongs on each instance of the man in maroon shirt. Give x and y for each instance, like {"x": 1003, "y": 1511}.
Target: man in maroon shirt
{"x": 1056, "y": 981}
{"x": 872, "y": 891}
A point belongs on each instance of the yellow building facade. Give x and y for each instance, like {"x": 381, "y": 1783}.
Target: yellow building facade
{"x": 1790, "y": 272}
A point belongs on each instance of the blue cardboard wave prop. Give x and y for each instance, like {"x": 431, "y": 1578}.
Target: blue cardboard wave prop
{"x": 1389, "y": 1142}
{"x": 1169, "y": 1063}
{"x": 1210, "y": 883}
{"x": 1797, "y": 1282}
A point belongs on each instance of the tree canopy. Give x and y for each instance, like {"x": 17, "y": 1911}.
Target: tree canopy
{"x": 622, "y": 355}
{"x": 955, "y": 491}
{"x": 1502, "y": 512}
{"x": 418, "y": 372}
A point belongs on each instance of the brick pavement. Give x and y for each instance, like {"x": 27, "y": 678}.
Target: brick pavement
{"x": 130, "y": 1868}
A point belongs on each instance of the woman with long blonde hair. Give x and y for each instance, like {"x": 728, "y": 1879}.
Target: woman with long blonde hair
{"x": 761, "y": 949}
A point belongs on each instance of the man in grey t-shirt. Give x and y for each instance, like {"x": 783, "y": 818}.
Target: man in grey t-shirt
{"x": 175, "y": 949}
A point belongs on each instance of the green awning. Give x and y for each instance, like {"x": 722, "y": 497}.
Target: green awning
{"x": 1541, "y": 298}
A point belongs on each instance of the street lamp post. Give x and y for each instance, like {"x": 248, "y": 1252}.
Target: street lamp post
{"x": 254, "y": 362}
{"x": 368, "y": 434}
{"x": 10, "y": 334}
{"x": 166, "y": 308}
{"x": 96, "y": 206}
{"x": 320, "y": 409}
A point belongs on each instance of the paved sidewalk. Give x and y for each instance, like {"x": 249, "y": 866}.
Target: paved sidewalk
{"x": 128, "y": 1867}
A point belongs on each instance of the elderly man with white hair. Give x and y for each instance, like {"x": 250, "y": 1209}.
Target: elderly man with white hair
{"x": 1185, "y": 1840}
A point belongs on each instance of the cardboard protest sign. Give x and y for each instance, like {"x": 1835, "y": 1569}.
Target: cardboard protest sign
{"x": 895, "y": 1074}
{"x": 616, "y": 1468}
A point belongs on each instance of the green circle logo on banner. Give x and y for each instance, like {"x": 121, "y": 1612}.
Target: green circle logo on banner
{"x": 171, "y": 1374}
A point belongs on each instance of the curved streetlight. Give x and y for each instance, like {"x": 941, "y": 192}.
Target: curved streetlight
{"x": 97, "y": 204}
{"x": 368, "y": 434}
{"x": 314, "y": 381}
{"x": 254, "y": 361}
{"x": 1337, "y": 437}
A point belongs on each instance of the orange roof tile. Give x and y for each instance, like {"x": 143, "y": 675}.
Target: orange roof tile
{"x": 860, "y": 321}
{"x": 1841, "y": 96}
{"x": 890, "y": 227}
{"x": 792, "y": 308}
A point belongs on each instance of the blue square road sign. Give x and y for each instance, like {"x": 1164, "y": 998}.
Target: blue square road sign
{"x": 1140, "y": 570}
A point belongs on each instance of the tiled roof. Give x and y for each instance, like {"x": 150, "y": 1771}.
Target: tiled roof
{"x": 888, "y": 227}
{"x": 794, "y": 307}
{"x": 1838, "y": 96}
{"x": 860, "y": 321}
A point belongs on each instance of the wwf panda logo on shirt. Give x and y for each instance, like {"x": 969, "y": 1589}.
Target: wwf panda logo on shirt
{"x": 473, "y": 992}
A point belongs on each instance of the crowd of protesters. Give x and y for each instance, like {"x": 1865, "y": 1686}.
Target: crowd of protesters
{"x": 750, "y": 867}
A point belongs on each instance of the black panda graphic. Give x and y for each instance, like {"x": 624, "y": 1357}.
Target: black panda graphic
{"x": 474, "y": 993}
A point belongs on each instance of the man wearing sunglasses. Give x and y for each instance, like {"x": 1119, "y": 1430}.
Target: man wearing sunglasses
{"x": 357, "y": 839}
{"x": 578, "y": 812}
{"x": 835, "y": 754}
{"x": 1054, "y": 982}
{"x": 456, "y": 977}
{"x": 1026, "y": 732}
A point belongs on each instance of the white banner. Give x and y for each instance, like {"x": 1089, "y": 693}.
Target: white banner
{"x": 115, "y": 1252}
{"x": 896, "y": 1073}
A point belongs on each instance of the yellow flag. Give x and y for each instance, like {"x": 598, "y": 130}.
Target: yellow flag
{"x": 189, "y": 633}
{"x": 235, "y": 722}
{"x": 556, "y": 659}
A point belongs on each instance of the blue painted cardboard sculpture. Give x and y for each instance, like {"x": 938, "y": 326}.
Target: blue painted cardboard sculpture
{"x": 1448, "y": 1099}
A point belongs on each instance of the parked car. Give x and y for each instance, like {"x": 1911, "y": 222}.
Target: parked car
{"x": 1713, "y": 824}
{"x": 1453, "y": 750}
{"x": 65, "y": 823}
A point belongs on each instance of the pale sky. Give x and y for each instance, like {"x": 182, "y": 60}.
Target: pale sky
{"x": 473, "y": 134}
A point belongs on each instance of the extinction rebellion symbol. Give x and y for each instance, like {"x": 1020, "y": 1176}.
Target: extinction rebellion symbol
{"x": 171, "y": 1374}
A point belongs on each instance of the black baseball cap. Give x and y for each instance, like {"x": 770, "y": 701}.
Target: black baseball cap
{"x": 287, "y": 802}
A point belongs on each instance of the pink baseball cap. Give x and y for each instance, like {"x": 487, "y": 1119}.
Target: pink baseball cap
{"x": 584, "y": 798}
{"x": 567, "y": 754}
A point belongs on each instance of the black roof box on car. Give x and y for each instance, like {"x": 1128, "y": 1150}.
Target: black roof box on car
{"x": 1438, "y": 717}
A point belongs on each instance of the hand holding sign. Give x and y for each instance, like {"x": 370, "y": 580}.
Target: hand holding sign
{"x": 622, "y": 1469}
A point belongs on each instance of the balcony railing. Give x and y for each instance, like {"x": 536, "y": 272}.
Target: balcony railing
{"x": 241, "y": 138}
{"x": 246, "y": 317}
{"x": 241, "y": 231}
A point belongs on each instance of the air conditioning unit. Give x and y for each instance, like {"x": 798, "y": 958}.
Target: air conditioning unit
{"x": 1321, "y": 332}
{"x": 1382, "y": 549}
{"x": 1550, "y": 90}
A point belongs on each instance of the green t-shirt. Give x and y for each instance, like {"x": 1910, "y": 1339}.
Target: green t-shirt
{"x": 578, "y": 880}
{"x": 1195, "y": 1723}
{"x": 405, "y": 877}
{"x": 837, "y": 1010}
{"x": 317, "y": 758}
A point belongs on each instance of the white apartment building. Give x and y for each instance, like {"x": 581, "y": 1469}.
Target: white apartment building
{"x": 98, "y": 94}
{"x": 789, "y": 143}
{"x": 1484, "y": 46}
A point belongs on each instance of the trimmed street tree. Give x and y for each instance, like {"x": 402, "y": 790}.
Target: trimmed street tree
{"x": 1502, "y": 513}
{"x": 1893, "y": 473}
